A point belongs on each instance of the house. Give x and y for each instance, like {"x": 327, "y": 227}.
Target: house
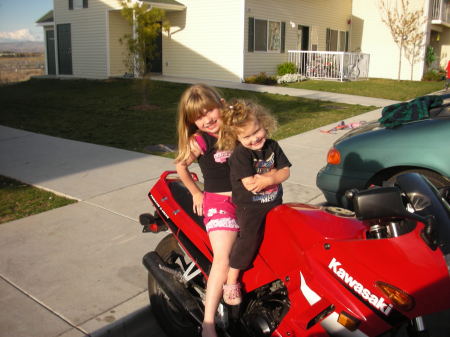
{"x": 371, "y": 35}
{"x": 230, "y": 40}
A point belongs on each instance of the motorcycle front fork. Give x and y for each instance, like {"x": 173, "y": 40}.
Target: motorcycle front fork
{"x": 416, "y": 328}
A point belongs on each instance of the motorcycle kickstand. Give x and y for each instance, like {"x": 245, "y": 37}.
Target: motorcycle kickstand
{"x": 416, "y": 328}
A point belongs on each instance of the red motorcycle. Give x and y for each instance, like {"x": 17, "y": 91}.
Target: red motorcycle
{"x": 320, "y": 271}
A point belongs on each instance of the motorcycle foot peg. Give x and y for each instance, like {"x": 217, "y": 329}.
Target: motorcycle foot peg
{"x": 151, "y": 224}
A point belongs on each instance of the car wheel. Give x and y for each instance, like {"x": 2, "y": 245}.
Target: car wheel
{"x": 173, "y": 321}
{"x": 440, "y": 182}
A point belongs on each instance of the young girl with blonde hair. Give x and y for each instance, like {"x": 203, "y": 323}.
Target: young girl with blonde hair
{"x": 258, "y": 166}
{"x": 199, "y": 123}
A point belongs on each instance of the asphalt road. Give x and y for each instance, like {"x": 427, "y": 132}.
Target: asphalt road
{"x": 142, "y": 323}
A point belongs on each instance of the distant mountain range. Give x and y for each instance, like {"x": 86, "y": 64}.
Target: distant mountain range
{"x": 23, "y": 46}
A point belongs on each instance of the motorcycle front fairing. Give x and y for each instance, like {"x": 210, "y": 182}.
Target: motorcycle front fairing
{"x": 328, "y": 260}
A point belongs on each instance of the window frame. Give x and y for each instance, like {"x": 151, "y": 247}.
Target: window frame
{"x": 341, "y": 46}
{"x": 253, "y": 30}
{"x": 78, "y": 4}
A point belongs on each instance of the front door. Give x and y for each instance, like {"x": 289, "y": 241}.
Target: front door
{"x": 303, "y": 38}
{"x": 303, "y": 44}
{"x": 154, "y": 64}
{"x": 51, "y": 64}
{"x": 64, "y": 49}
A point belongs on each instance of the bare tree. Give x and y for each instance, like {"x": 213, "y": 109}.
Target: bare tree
{"x": 414, "y": 48}
{"x": 406, "y": 27}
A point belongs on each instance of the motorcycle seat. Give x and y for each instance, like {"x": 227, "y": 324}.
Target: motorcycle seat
{"x": 184, "y": 198}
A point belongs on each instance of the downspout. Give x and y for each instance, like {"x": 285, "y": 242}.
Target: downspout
{"x": 243, "y": 54}
{"x": 135, "y": 72}
{"x": 108, "y": 47}
{"x": 55, "y": 41}
{"x": 427, "y": 34}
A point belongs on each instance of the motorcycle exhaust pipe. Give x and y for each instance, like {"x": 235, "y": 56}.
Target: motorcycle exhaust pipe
{"x": 171, "y": 287}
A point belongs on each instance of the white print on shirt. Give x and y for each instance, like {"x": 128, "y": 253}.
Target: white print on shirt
{"x": 221, "y": 156}
{"x": 269, "y": 193}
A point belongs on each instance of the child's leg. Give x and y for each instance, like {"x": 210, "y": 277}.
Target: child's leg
{"x": 251, "y": 222}
{"x": 233, "y": 276}
{"x": 221, "y": 241}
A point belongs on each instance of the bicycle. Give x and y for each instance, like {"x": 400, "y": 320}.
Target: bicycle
{"x": 353, "y": 70}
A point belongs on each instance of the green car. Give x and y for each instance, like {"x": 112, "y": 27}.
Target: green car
{"x": 372, "y": 154}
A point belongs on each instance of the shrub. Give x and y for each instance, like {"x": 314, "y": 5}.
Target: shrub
{"x": 286, "y": 68}
{"x": 261, "y": 78}
{"x": 430, "y": 56}
{"x": 434, "y": 75}
{"x": 290, "y": 78}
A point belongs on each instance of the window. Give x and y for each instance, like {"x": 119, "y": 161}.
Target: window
{"x": 274, "y": 36}
{"x": 75, "y": 4}
{"x": 332, "y": 39}
{"x": 266, "y": 35}
{"x": 260, "y": 35}
{"x": 336, "y": 40}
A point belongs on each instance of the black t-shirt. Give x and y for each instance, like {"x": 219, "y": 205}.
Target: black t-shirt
{"x": 245, "y": 163}
{"x": 213, "y": 164}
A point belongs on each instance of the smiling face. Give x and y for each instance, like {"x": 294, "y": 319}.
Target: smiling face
{"x": 209, "y": 121}
{"x": 252, "y": 135}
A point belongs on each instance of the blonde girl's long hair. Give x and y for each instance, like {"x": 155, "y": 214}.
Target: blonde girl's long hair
{"x": 194, "y": 101}
{"x": 236, "y": 115}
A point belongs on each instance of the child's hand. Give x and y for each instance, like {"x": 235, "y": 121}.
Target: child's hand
{"x": 248, "y": 183}
{"x": 257, "y": 182}
{"x": 197, "y": 206}
{"x": 261, "y": 182}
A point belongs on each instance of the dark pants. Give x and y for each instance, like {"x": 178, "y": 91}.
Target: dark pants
{"x": 251, "y": 220}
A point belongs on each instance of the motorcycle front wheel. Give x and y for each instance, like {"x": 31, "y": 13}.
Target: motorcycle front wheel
{"x": 174, "y": 321}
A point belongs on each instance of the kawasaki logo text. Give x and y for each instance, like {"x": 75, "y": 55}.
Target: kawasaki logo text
{"x": 352, "y": 283}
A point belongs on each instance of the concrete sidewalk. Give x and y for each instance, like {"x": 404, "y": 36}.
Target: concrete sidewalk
{"x": 74, "y": 270}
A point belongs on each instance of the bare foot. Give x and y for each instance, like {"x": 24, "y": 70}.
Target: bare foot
{"x": 208, "y": 330}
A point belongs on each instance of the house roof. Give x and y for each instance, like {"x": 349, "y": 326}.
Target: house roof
{"x": 46, "y": 18}
{"x": 169, "y": 5}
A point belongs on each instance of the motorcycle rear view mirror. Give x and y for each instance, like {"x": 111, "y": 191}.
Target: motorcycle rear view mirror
{"x": 381, "y": 202}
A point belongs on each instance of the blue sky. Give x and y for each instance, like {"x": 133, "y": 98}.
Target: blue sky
{"x": 18, "y": 17}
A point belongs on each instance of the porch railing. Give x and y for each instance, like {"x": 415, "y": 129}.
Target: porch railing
{"x": 440, "y": 10}
{"x": 340, "y": 66}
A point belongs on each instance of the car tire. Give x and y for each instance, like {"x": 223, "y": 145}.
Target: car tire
{"x": 173, "y": 321}
{"x": 439, "y": 181}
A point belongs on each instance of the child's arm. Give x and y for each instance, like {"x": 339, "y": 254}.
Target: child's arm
{"x": 188, "y": 181}
{"x": 274, "y": 177}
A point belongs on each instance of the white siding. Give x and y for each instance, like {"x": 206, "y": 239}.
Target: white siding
{"x": 88, "y": 35}
{"x": 375, "y": 39}
{"x": 118, "y": 51}
{"x": 317, "y": 14}
{"x": 205, "y": 40}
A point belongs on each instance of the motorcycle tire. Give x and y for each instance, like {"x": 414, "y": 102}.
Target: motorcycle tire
{"x": 173, "y": 321}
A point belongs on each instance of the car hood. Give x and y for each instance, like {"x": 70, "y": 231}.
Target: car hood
{"x": 371, "y": 126}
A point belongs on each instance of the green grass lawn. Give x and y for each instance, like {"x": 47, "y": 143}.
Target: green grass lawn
{"x": 376, "y": 87}
{"x": 110, "y": 112}
{"x": 19, "y": 200}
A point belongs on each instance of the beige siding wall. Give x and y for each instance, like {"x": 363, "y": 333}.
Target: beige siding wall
{"x": 118, "y": 27}
{"x": 317, "y": 14}
{"x": 205, "y": 40}
{"x": 443, "y": 53}
{"x": 374, "y": 38}
{"x": 89, "y": 35}
{"x": 440, "y": 41}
